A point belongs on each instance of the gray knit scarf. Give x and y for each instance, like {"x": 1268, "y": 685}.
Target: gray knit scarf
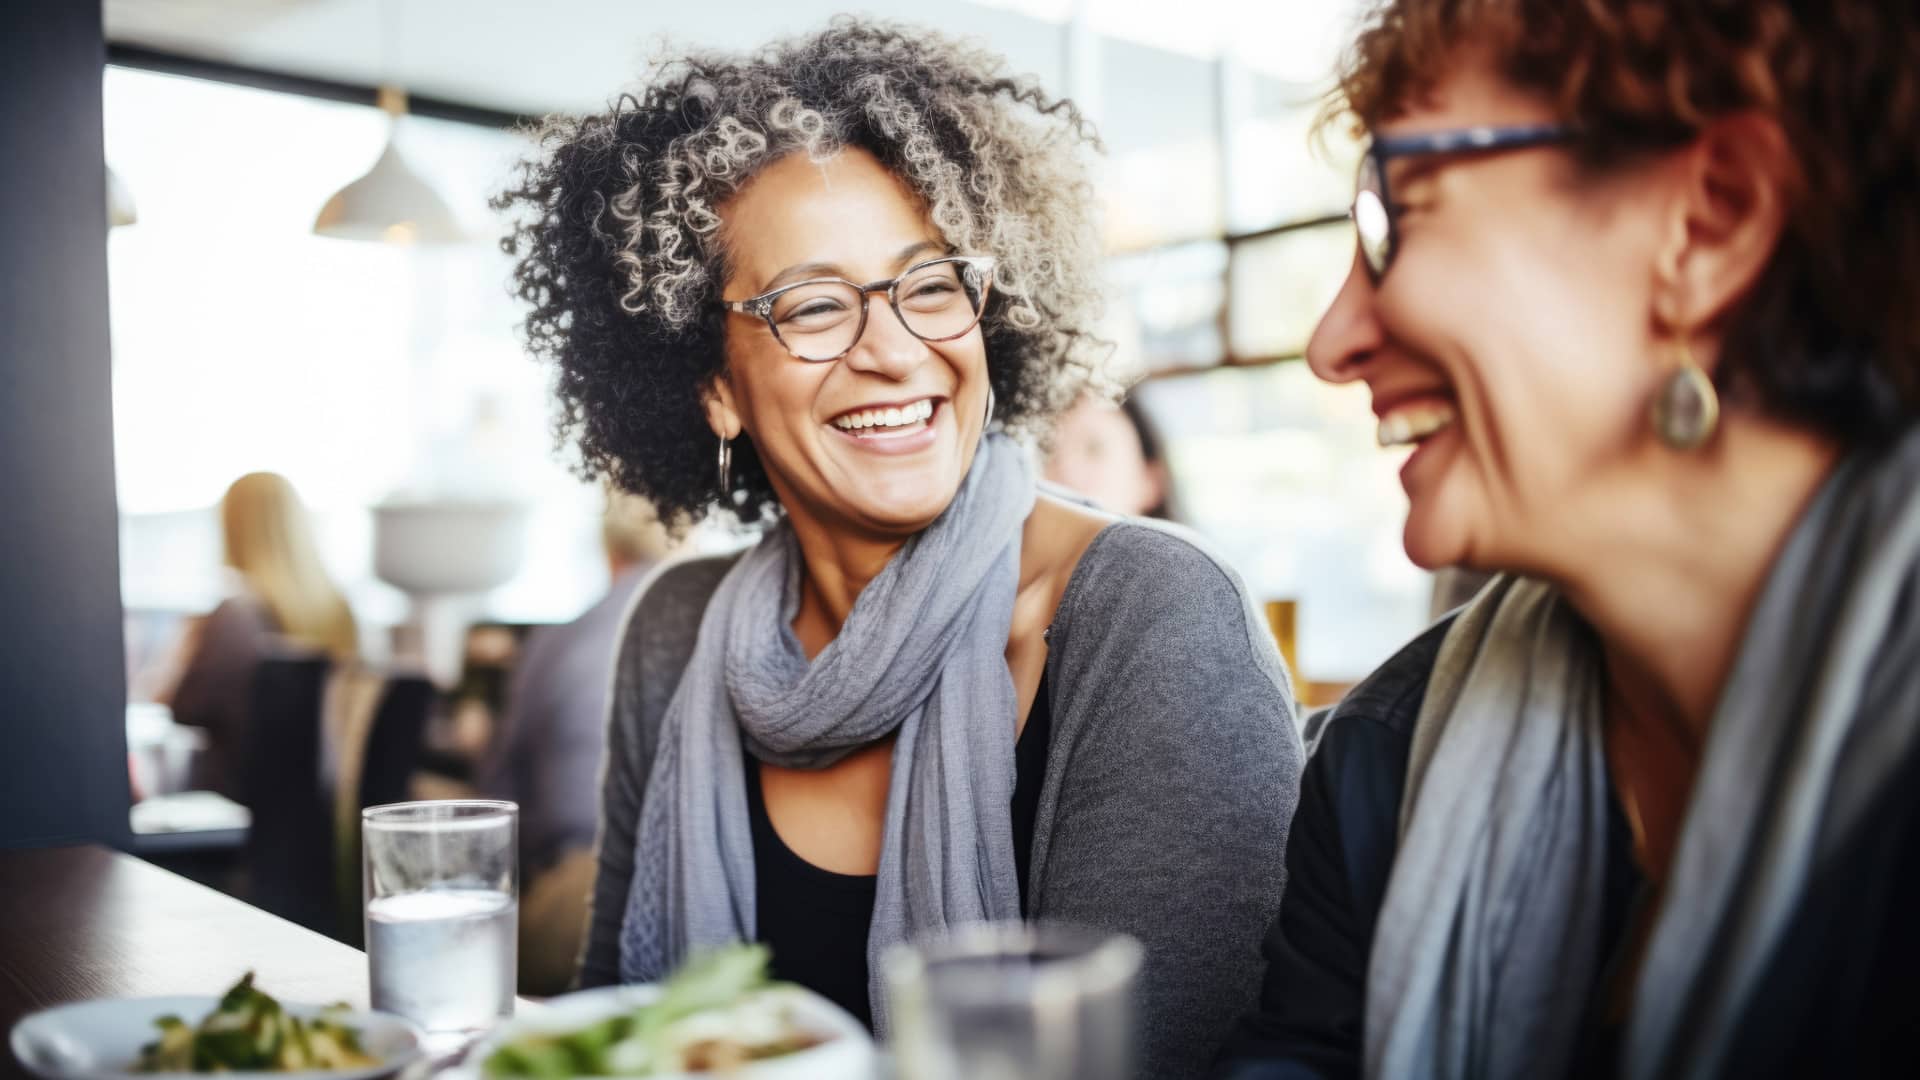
{"x": 1487, "y": 946}
{"x": 922, "y": 656}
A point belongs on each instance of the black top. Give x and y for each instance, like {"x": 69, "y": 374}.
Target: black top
{"x": 1839, "y": 1000}
{"x": 816, "y": 921}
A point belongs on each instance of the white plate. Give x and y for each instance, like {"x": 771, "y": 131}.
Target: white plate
{"x": 101, "y": 1040}
{"x": 848, "y": 1055}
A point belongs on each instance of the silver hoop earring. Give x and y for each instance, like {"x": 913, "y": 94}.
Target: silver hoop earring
{"x": 1686, "y": 411}
{"x": 988, "y": 422}
{"x": 726, "y": 467}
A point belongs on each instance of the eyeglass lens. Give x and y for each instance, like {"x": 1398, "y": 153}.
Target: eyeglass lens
{"x": 822, "y": 320}
{"x": 1370, "y": 219}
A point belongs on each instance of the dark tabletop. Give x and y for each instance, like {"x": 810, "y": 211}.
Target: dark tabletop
{"x": 86, "y": 922}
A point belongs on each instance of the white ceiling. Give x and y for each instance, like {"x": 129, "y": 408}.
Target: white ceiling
{"x": 535, "y": 57}
{"x": 516, "y": 55}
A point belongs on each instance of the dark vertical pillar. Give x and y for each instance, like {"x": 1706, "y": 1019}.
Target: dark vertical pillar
{"x": 63, "y": 773}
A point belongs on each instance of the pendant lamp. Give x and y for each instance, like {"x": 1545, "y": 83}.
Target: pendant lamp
{"x": 391, "y": 203}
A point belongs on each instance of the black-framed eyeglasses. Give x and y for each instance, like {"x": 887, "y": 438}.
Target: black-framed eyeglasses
{"x": 821, "y": 319}
{"x": 1374, "y": 213}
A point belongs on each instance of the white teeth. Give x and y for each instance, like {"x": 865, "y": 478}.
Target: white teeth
{"x": 889, "y": 417}
{"x": 1412, "y": 423}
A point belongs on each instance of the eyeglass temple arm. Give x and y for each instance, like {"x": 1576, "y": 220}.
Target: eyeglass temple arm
{"x": 1468, "y": 140}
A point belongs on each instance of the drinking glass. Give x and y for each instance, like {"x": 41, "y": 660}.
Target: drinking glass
{"x": 1012, "y": 1001}
{"x": 442, "y": 883}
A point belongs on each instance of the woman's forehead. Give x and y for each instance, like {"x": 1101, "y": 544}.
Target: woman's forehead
{"x": 847, "y": 211}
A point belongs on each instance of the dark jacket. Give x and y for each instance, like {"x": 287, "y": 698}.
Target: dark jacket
{"x": 1842, "y": 997}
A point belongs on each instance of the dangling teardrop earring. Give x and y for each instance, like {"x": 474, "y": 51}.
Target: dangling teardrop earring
{"x": 1686, "y": 411}
{"x": 726, "y": 468}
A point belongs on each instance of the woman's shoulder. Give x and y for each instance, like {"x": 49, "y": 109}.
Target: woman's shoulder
{"x": 678, "y": 587}
{"x": 1164, "y": 543}
{"x": 1157, "y": 620}
{"x": 240, "y": 620}
{"x": 657, "y": 634}
{"x": 1390, "y": 696}
{"x": 1145, "y": 575}
{"x": 663, "y": 614}
{"x": 1360, "y": 747}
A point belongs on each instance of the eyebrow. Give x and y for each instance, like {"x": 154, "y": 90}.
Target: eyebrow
{"x": 803, "y": 271}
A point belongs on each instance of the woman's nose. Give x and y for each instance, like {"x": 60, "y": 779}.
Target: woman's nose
{"x": 1349, "y": 332}
{"x": 886, "y": 347}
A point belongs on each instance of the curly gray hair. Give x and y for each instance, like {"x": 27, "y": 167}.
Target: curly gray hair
{"x": 622, "y": 252}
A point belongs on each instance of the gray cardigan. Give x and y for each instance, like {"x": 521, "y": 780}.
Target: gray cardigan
{"x": 1171, "y": 776}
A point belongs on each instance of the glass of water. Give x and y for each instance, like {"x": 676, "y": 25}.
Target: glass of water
{"x": 442, "y": 884}
{"x": 1013, "y": 1001}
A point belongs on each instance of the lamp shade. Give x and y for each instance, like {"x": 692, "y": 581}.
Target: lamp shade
{"x": 391, "y": 204}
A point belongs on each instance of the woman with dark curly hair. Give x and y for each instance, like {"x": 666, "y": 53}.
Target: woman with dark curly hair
{"x": 807, "y": 285}
{"x": 1635, "y": 279}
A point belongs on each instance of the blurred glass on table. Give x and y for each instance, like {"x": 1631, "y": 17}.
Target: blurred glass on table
{"x": 160, "y": 753}
{"x": 442, "y": 888}
{"x": 1007, "y": 1001}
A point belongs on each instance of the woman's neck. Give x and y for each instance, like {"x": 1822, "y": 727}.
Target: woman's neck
{"x": 1670, "y": 589}
{"x": 837, "y": 565}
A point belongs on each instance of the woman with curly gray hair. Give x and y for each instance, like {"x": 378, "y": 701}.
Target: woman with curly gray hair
{"x": 815, "y": 286}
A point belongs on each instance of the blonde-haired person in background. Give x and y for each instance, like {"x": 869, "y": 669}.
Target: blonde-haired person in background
{"x": 285, "y": 599}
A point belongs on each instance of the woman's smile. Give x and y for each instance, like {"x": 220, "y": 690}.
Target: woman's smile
{"x": 1412, "y": 421}
{"x": 890, "y": 428}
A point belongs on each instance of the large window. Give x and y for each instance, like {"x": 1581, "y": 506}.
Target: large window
{"x": 360, "y": 371}
{"x": 1225, "y": 203}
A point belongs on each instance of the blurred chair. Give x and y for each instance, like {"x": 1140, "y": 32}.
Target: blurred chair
{"x": 377, "y": 722}
{"x": 290, "y": 843}
{"x": 303, "y": 849}
{"x": 553, "y": 922}
{"x": 395, "y": 743}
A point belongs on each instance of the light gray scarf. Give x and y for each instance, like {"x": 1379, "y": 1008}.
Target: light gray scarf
{"x": 922, "y": 656}
{"x": 1487, "y": 944}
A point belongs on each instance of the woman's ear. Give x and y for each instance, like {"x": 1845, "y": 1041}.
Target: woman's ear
{"x": 1732, "y": 186}
{"x": 723, "y": 413}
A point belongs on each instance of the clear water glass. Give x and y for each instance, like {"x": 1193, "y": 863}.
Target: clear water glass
{"x": 442, "y": 883}
{"x": 1013, "y": 1001}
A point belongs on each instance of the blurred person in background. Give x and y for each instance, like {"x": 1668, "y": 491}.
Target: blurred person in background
{"x": 283, "y": 599}
{"x": 808, "y": 283}
{"x": 546, "y": 753}
{"x": 1113, "y": 455}
{"x": 1635, "y": 281}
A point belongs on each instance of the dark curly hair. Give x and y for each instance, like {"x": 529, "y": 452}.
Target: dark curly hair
{"x": 1829, "y": 337}
{"x": 621, "y": 256}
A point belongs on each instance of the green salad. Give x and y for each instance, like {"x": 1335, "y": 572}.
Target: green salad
{"x": 250, "y": 1031}
{"x": 717, "y": 1013}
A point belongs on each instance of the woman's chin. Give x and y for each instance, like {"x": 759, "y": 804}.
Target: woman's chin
{"x": 903, "y": 512}
{"x": 1433, "y": 541}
